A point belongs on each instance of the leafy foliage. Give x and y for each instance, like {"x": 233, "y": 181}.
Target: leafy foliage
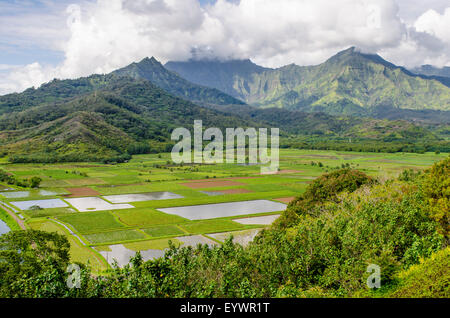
{"x": 430, "y": 278}
{"x": 436, "y": 186}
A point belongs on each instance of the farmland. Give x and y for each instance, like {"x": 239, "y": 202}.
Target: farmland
{"x": 98, "y": 219}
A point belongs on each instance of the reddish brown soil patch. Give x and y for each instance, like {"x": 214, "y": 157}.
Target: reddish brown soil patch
{"x": 235, "y": 191}
{"x": 211, "y": 184}
{"x": 81, "y": 192}
{"x": 285, "y": 200}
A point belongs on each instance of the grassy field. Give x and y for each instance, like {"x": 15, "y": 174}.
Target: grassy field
{"x": 143, "y": 227}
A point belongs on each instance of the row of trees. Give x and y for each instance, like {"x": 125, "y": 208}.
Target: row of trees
{"x": 33, "y": 182}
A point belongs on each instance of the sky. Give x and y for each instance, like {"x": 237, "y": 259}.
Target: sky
{"x": 45, "y": 39}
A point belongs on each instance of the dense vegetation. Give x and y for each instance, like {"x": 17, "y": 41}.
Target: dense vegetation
{"x": 24, "y": 183}
{"x": 351, "y": 221}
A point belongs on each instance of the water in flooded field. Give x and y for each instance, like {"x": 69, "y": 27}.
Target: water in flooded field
{"x": 220, "y": 210}
{"x": 3, "y": 228}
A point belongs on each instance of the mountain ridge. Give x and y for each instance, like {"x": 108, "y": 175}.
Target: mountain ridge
{"x": 152, "y": 70}
{"x": 350, "y": 82}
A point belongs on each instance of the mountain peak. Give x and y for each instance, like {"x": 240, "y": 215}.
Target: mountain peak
{"x": 149, "y": 60}
{"x": 355, "y": 54}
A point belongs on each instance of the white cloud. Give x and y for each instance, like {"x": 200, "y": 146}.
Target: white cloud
{"x": 436, "y": 24}
{"x": 24, "y": 77}
{"x": 107, "y": 34}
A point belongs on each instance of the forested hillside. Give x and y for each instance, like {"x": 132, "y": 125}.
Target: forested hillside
{"x": 97, "y": 118}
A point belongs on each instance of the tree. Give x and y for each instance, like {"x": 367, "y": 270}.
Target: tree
{"x": 25, "y": 255}
{"x": 35, "y": 182}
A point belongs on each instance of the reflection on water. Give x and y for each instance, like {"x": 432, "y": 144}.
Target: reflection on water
{"x": 44, "y": 204}
{"x": 3, "y": 228}
{"x": 126, "y": 198}
{"x": 26, "y": 194}
{"x": 220, "y": 210}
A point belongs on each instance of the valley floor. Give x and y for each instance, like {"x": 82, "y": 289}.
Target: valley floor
{"x": 108, "y": 212}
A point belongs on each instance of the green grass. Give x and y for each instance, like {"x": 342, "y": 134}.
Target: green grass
{"x": 92, "y": 221}
{"x": 211, "y": 226}
{"x": 116, "y": 236}
{"x": 48, "y": 212}
{"x": 162, "y": 231}
{"x": 10, "y": 222}
{"x": 147, "y": 217}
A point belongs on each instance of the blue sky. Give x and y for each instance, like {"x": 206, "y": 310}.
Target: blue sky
{"x": 17, "y": 51}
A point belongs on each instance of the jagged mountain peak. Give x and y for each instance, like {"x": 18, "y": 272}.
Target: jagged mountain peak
{"x": 152, "y": 70}
{"x": 355, "y": 55}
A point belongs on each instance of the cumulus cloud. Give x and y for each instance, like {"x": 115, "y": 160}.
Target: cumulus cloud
{"x": 436, "y": 24}
{"x": 107, "y": 34}
{"x": 32, "y": 75}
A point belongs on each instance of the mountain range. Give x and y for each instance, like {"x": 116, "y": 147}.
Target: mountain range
{"x": 134, "y": 109}
{"x": 430, "y": 70}
{"x": 349, "y": 83}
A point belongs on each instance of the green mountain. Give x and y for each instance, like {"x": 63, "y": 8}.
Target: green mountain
{"x": 152, "y": 70}
{"x": 110, "y": 117}
{"x": 350, "y": 82}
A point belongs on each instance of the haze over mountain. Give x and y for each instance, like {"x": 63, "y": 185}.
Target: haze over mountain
{"x": 351, "y": 83}
{"x": 431, "y": 70}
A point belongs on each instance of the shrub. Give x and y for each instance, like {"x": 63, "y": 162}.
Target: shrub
{"x": 430, "y": 278}
{"x": 436, "y": 187}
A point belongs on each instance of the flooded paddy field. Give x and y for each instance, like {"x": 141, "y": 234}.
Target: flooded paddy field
{"x": 220, "y": 210}
{"x": 40, "y": 204}
{"x": 95, "y": 204}
{"x": 258, "y": 220}
{"x": 3, "y": 228}
{"x": 127, "y": 198}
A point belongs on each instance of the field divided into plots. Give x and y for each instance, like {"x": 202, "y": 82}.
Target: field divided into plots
{"x": 111, "y": 211}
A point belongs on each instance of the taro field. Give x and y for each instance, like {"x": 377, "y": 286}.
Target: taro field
{"x": 108, "y": 212}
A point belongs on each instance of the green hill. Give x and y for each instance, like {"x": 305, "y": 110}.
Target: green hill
{"x": 97, "y": 117}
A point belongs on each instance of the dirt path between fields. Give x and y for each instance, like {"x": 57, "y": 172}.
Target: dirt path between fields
{"x": 14, "y": 216}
